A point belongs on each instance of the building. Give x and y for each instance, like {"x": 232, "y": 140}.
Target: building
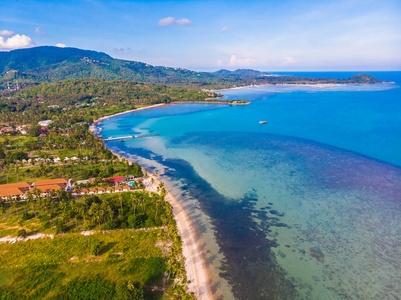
{"x": 62, "y": 182}
{"x": 47, "y": 189}
{"x": 45, "y": 123}
{"x": 115, "y": 179}
{"x": 14, "y": 190}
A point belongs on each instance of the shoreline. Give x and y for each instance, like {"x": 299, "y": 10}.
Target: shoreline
{"x": 294, "y": 84}
{"x": 93, "y": 125}
{"x": 195, "y": 263}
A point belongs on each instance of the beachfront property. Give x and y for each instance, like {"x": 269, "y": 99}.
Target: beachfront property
{"x": 46, "y": 187}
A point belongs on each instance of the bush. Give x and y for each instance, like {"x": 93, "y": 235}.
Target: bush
{"x": 112, "y": 224}
{"x": 155, "y": 268}
{"x": 21, "y": 233}
{"x": 59, "y": 226}
{"x": 137, "y": 221}
{"x": 149, "y": 223}
{"x": 96, "y": 246}
{"x": 19, "y": 155}
{"x": 90, "y": 289}
{"x": 129, "y": 291}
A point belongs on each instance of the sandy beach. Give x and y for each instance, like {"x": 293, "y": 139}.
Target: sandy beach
{"x": 92, "y": 127}
{"x": 195, "y": 265}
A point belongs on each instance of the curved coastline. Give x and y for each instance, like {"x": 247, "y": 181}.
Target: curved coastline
{"x": 195, "y": 265}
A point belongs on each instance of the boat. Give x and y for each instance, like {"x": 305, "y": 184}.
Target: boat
{"x": 262, "y": 122}
{"x": 122, "y": 141}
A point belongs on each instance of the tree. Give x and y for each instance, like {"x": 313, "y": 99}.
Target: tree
{"x": 34, "y": 130}
{"x": 120, "y": 196}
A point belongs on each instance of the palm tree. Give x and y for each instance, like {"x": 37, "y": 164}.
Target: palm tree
{"x": 16, "y": 170}
{"x": 134, "y": 201}
{"x": 120, "y": 196}
{"x": 30, "y": 200}
{"x": 97, "y": 212}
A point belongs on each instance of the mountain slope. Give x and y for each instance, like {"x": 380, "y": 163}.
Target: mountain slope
{"x": 49, "y": 64}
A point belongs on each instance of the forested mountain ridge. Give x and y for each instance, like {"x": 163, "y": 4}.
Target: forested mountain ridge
{"x": 49, "y": 64}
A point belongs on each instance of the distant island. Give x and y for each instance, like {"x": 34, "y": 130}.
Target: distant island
{"x": 46, "y": 64}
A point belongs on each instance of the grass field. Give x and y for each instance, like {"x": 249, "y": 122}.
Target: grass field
{"x": 43, "y": 268}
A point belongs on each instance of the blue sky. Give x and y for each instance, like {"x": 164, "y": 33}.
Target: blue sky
{"x": 210, "y": 35}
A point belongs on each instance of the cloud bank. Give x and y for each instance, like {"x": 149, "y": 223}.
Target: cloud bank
{"x": 6, "y": 32}
{"x": 17, "y": 41}
{"x": 172, "y": 21}
{"x": 60, "y": 45}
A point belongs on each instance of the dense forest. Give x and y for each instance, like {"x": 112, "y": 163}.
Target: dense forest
{"x": 49, "y": 64}
{"x": 79, "y": 100}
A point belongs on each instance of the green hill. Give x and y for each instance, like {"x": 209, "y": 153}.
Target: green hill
{"x": 49, "y": 64}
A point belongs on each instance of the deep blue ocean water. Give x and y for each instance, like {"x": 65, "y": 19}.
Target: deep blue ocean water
{"x": 307, "y": 206}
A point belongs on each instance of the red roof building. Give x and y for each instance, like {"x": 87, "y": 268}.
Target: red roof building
{"x": 115, "y": 179}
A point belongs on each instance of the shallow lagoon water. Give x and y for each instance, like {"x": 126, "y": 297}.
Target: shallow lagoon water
{"x": 305, "y": 207}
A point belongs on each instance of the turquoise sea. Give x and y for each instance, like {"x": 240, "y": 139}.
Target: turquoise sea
{"x": 307, "y": 206}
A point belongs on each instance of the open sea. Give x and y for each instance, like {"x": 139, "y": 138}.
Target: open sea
{"x": 307, "y": 206}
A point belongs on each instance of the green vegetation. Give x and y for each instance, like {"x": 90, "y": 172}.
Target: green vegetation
{"x": 121, "y": 262}
{"x": 49, "y": 64}
{"x": 84, "y": 100}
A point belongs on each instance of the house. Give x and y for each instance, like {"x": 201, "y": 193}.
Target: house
{"x": 81, "y": 182}
{"x": 57, "y": 160}
{"x": 115, "y": 179}
{"x": 24, "y": 131}
{"x": 47, "y": 189}
{"x": 130, "y": 177}
{"x": 92, "y": 191}
{"x": 118, "y": 189}
{"x": 126, "y": 188}
{"x": 101, "y": 190}
{"x": 109, "y": 190}
{"x": 45, "y": 123}
{"x": 83, "y": 192}
{"x": 6, "y": 130}
{"x": 66, "y": 158}
{"x": 74, "y": 158}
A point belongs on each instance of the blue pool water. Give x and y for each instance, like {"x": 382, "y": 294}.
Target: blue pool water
{"x": 307, "y": 206}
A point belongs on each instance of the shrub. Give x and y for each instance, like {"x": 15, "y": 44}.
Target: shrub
{"x": 129, "y": 291}
{"x": 96, "y": 246}
{"x": 90, "y": 289}
{"x": 138, "y": 221}
{"x": 21, "y": 233}
{"x": 59, "y": 226}
{"x": 112, "y": 224}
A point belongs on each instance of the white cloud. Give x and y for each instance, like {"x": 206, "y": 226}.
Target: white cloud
{"x": 16, "y": 42}
{"x": 40, "y": 31}
{"x": 183, "y": 22}
{"x": 172, "y": 21}
{"x": 6, "y": 32}
{"x": 119, "y": 49}
{"x": 234, "y": 61}
{"x": 60, "y": 45}
{"x": 289, "y": 60}
{"x": 219, "y": 63}
{"x": 225, "y": 29}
